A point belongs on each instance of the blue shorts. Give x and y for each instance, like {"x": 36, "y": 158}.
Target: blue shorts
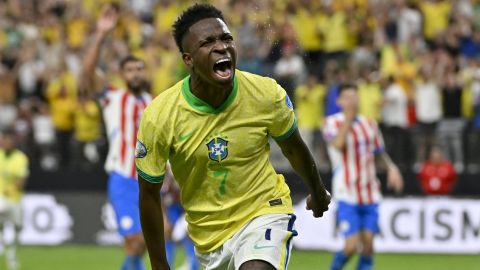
{"x": 174, "y": 212}
{"x": 123, "y": 195}
{"x": 353, "y": 218}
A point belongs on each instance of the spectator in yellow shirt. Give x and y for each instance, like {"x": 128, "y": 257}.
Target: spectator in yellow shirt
{"x": 370, "y": 95}
{"x": 87, "y": 131}
{"x": 306, "y": 24}
{"x": 13, "y": 174}
{"x": 310, "y": 108}
{"x": 436, "y": 15}
{"x": 61, "y": 95}
{"x": 336, "y": 34}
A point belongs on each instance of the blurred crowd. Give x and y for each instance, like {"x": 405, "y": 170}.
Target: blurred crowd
{"x": 416, "y": 64}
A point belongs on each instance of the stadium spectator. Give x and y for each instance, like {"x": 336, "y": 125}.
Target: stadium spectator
{"x": 336, "y": 34}
{"x": 44, "y": 137}
{"x": 87, "y": 131}
{"x": 409, "y": 22}
{"x": 9, "y": 113}
{"x": 437, "y": 175}
{"x": 436, "y": 14}
{"x": 428, "y": 108}
{"x": 370, "y": 95}
{"x": 450, "y": 128}
{"x": 395, "y": 123}
{"x": 474, "y": 136}
{"x": 62, "y": 98}
{"x": 290, "y": 69}
{"x": 310, "y": 111}
{"x": 14, "y": 171}
{"x": 307, "y": 22}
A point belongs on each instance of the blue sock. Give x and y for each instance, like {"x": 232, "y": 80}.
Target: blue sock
{"x": 133, "y": 263}
{"x": 365, "y": 263}
{"x": 138, "y": 263}
{"x": 190, "y": 252}
{"x": 339, "y": 261}
{"x": 128, "y": 263}
{"x": 170, "y": 250}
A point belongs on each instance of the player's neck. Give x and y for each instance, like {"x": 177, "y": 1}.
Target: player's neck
{"x": 135, "y": 93}
{"x": 214, "y": 96}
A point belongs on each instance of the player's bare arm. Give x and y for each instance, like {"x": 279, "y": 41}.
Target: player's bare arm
{"x": 151, "y": 217}
{"x": 91, "y": 80}
{"x": 394, "y": 177}
{"x": 303, "y": 163}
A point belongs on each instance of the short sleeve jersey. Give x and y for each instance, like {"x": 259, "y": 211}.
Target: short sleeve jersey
{"x": 13, "y": 168}
{"x": 219, "y": 156}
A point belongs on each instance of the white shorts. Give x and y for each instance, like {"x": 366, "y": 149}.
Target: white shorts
{"x": 266, "y": 238}
{"x": 10, "y": 212}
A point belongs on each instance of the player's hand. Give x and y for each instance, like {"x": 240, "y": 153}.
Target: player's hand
{"x": 319, "y": 205}
{"x": 108, "y": 19}
{"x": 394, "y": 179}
{"x": 350, "y": 114}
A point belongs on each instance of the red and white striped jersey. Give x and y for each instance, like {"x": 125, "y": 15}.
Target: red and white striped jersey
{"x": 122, "y": 112}
{"x": 354, "y": 175}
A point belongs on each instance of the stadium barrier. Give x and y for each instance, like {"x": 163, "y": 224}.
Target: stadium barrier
{"x": 408, "y": 225}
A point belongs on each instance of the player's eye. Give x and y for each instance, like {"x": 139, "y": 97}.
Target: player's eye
{"x": 227, "y": 38}
{"x": 206, "y": 42}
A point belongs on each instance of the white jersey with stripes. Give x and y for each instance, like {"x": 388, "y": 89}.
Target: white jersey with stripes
{"x": 353, "y": 168}
{"x": 122, "y": 112}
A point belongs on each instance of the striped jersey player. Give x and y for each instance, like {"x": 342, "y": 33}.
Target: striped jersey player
{"x": 122, "y": 109}
{"x": 353, "y": 142}
{"x": 354, "y": 173}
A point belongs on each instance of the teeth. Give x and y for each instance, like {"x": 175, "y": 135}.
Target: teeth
{"x": 222, "y": 60}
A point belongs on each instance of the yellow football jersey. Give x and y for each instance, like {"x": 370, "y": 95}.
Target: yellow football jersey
{"x": 219, "y": 156}
{"x": 13, "y": 167}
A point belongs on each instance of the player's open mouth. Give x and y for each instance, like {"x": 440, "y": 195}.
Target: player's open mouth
{"x": 223, "y": 68}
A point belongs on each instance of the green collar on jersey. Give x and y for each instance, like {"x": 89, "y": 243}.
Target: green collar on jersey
{"x": 201, "y": 105}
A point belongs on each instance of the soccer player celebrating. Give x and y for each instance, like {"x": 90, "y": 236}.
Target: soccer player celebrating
{"x": 121, "y": 113}
{"x": 213, "y": 128}
{"x": 353, "y": 142}
{"x": 13, "y": 174}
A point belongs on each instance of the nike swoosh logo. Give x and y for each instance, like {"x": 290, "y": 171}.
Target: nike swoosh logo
{"x": 183, "y": 137}
{"x": 257, "y": 246}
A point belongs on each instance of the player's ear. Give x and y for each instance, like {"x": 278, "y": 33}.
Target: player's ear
{"x": 187, "y": 59}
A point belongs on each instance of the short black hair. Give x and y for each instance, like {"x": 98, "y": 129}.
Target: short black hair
{"x": 129, "y": 58}
{"x": 345, "y": 86}
{"x": 191, "y": 16}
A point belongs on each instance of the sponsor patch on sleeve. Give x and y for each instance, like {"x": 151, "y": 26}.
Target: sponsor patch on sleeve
{"x": 289, "y": 102}
{"x": 140, "y": 150}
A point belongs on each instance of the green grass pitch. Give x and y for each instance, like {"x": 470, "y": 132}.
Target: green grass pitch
{"x": 109, "y": 258}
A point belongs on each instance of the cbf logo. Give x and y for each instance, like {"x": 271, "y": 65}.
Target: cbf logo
{"x": 217, "y": 149}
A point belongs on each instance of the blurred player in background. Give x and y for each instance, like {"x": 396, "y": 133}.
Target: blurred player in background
{"x": 122, "y": 109}
{"x": 213, "y": 127}
{"x": 174, "y": 222}
{"x": 353, "y": 142}
{"x": 13, "y": 175}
